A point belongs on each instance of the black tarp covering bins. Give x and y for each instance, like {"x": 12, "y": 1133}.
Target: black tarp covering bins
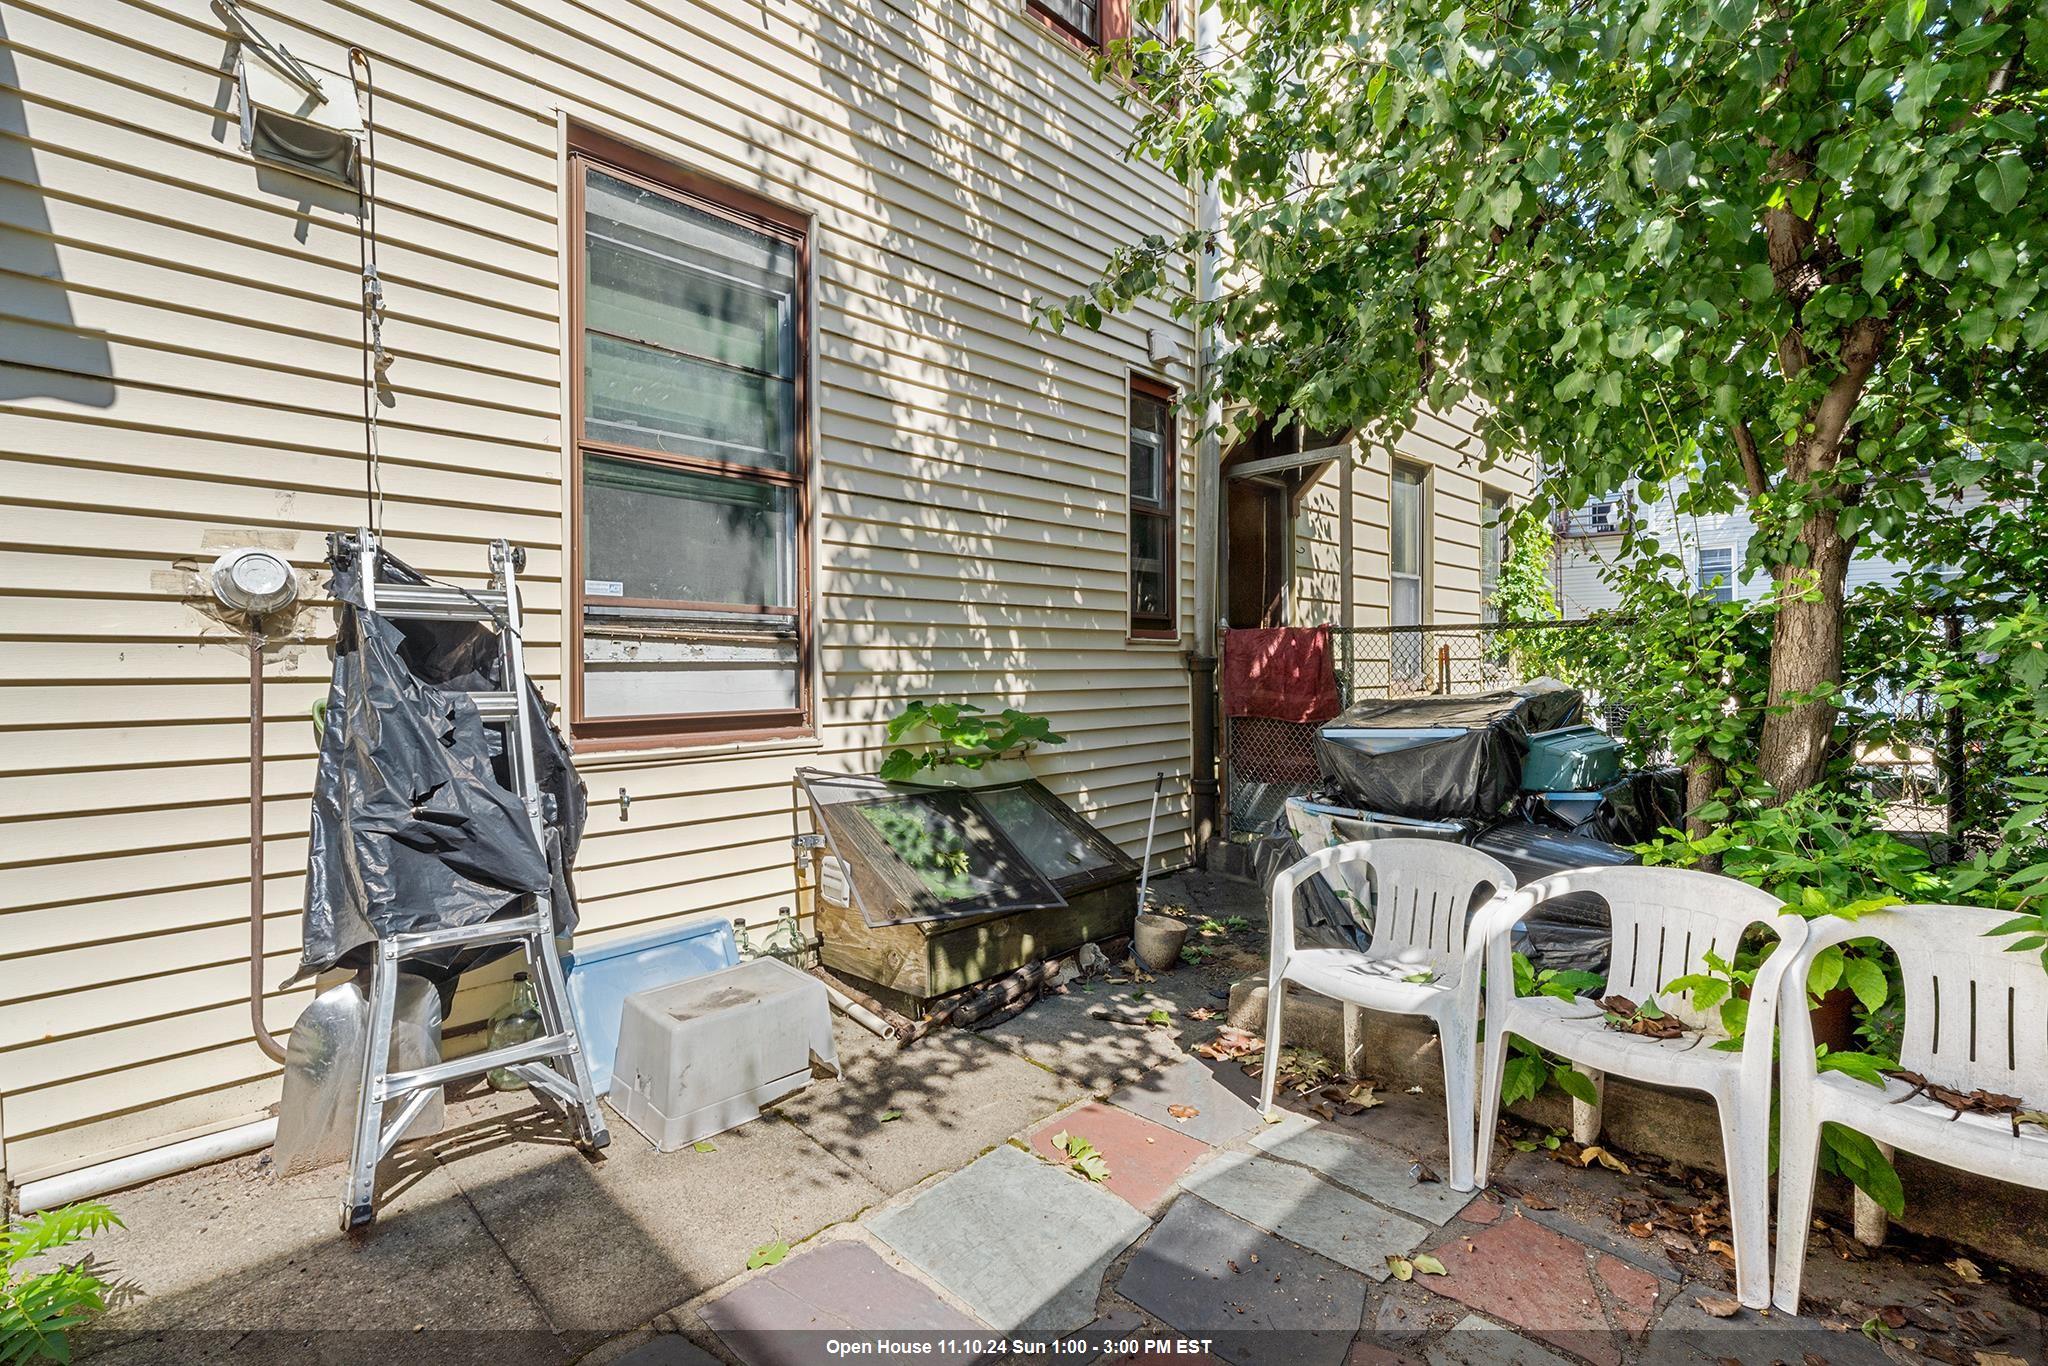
{"x": 1633, "y": 809}
{"x": 1441, "y": 758}
{"x": 415, "y": 825}
{"x": 1567, "y": 932}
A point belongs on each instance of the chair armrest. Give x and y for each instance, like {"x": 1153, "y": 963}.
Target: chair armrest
{"x": 1759, "y": 1045}
{"x": 1280, "y": 908}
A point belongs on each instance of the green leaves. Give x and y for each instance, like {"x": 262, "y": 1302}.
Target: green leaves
{"x": 1672, "y": 166}
{"x": 1857, "y": 1158}
{"x": 960, "y": 733}
{"x": 38, "y": 1312}
{"x": 768, "y": 1254}
{"x": 2003, "y": 183}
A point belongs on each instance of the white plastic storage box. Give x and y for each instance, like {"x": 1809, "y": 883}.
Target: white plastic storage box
{"x": 698, "y": 1057}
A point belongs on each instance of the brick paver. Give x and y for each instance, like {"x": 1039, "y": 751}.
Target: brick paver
{"x": 1144, "y": 1159}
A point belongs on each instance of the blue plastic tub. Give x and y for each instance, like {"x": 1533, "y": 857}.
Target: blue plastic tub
{"x": 603, "y": 976}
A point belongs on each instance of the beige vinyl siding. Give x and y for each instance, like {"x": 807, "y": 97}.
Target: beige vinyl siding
{"x": 1444, "y": 445}
{"x": 180, "y": 374}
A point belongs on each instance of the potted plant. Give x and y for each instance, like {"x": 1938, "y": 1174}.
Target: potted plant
{"x": 963, "y": 746}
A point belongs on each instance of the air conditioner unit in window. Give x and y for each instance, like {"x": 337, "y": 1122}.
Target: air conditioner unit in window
{"x": 302, "y": 117}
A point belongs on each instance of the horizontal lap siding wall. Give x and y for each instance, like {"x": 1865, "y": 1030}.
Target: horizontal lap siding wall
{"x": 179, "y": 373}
{"x": 1446, "y": 446}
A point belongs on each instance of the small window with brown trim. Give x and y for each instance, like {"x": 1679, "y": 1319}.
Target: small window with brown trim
{"x": 1078, "y": 19}
{"x": 1152, "y": 474}
{"x": 689, "y": 614}
{"x": 1098, "y": 23}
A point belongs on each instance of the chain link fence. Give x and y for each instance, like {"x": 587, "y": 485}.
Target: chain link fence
{"x": 1910, "y": 767}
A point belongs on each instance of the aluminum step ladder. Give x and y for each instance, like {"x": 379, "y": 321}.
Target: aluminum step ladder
{"x": 553, "y": 1064}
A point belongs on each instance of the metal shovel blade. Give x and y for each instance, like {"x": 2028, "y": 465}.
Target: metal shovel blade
{"x": 323, "y": 1071}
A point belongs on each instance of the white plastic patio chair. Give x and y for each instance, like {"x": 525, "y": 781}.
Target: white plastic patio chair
{"x": 1422, "y": 894}
{"x": 1663, "y": 922}
{"x": 1976, "y": 1018}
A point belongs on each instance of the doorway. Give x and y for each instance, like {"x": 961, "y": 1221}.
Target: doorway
{"x": 1257, "y": 553}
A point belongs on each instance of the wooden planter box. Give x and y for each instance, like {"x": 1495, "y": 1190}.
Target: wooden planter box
{"x": 908, "y": 965}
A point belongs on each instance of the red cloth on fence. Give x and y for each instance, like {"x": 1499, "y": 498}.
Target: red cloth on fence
{"x": 1283, "y": 673}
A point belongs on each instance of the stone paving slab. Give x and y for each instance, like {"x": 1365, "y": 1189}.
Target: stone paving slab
{"x": 1220, "y": 1118}
{"x": 1365, "y": 1166}
{"x": 839, "y": 1286}
{"x": 1473, "y": 1341}
{"x": 1548, "y": 1286}
{"x": 1145, "y": 1159}
{"x": 1304, "y": 1209}
{"x": 953, "y": 1095}
{"x": 1267, "y": 1302}
{"x": 1021, "y": 1243}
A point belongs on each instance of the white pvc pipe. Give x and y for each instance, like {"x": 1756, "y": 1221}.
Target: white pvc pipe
{"x": 136, "y": 1168}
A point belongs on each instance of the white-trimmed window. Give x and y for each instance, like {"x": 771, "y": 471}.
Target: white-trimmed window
{"x": 1714, "y": 575}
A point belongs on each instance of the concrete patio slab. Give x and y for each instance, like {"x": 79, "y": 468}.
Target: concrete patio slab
{"x": 1264, "y": 1301}
{"x": 661, "y": 1349}
{"x": 781, "y": 1317}
{"x": 1220, "y": 1118}
{"x": 1373, "y": 1169}
{"x": 607, "y": 1246}
{"x": 229, "y": 1247}
{"x": 1058, "y": 1034}
{"x": 1304, "y": 1209}
{"x": 954, "y": 1096}
{"x": 1021, "y": 1243}
{"x": 1145, "y": 1159}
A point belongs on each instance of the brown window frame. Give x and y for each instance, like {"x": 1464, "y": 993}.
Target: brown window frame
{"x": 1103, "y": 35}
{"x": 589, "y": 150}
{"x": 1165, "y": 509}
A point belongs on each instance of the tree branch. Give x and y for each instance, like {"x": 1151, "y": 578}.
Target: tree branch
{"x": 1752, "y": 466}
{"x": 1860, "y": 351}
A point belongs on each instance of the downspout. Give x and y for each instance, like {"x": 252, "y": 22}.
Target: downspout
{"x": 1208, "y": 501}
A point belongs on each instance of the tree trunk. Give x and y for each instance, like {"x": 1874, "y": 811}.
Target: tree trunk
{"x": 1806, "y": 658}
{"x": 1703, "y": 777}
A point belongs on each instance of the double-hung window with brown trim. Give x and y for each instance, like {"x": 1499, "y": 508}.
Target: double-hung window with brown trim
{"x": 688, "y": 606}
{"x": 1152, "y": 473}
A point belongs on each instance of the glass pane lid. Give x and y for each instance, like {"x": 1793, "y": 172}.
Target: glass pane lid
{"x": 1055, "y": 840}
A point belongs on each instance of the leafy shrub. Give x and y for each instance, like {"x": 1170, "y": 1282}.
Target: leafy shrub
{"x": 38, "y": 1310}
{"x": 960, "y": 733}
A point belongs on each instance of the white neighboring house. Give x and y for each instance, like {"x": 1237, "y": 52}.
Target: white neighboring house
{"x": 1712, "y": 547}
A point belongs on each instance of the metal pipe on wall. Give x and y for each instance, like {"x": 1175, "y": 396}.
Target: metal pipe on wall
{"x": 1209, "y": 512}
{"x": 265, "y": 1040}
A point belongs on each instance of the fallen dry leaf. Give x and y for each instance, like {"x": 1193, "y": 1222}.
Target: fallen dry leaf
{"x": 1536, "y": 1202}
{"x": 1428, "y": 1265}
{"x": 1967, "y": 1269}
{"x": 1720, "y": 1306}
{"x": 1596, "y": 1153}
{"x": 1421, "y": 1175}
{"x": 1400, "y": 1267}
{"x": 1999, "y": 1359}
{"x": 1716, "y": 1245}
{"x": 1183, "y": 1113}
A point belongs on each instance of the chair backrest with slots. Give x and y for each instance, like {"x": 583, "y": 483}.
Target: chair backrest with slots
{"x": 1976, "y": 1012}
{"x": 1664, "y": 923}
{"x": 1424, "y": 893}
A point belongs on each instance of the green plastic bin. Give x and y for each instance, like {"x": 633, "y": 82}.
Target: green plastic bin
{"x": 1572, "y": 759}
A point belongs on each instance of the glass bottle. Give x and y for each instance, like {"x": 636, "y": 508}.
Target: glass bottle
{"x": 515, "y": 1022}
